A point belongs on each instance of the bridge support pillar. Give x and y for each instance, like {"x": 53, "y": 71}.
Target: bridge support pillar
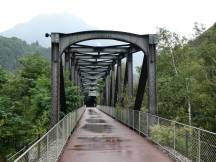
{"x": 107, "y": 86}
{"x": 112, "y": 85}
{"x": 142, "y": 84}
{"x": 110, "y": 89}
{"x": 72, "y": 75}
{"x": 78, "y": 82}
{"x": 75, "y": 74}
{"x": 130, "y": 78}
{"x": 125, "y": 77}
{"x": 55, "y": 81}
{"x": 152, "y": 97}
{"x": 62, "y": 89}
{"x": 105, "y": 94}
{"x": 119, "y": 81}
{"x": 67, "y": 63}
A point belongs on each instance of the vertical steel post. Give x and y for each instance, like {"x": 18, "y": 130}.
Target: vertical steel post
{"x": 152, "y": 98}
{"x": 186, "y": 142}
{"x": 174, "y": 139}
{"x": 47, "y": 147}
{"x": 133, "y": 119}
{"x": 119, "y": 93}
{"x": 57, "y": 141}
{"x": 75, "y": 74}
{"x": 142, "y": 84}
{"x": 107, "y": 90}
{"x": 62, "y": 89}
{"x": 110, "y": 86}
{"x": 71, "y": 123}
{"x": 113, "y": 85}
{"x": 39, "y": 149}
{"x": 125, "y": 76}
{"x": 55, "y": 65}
{"x": 63, "y": 134}
{"x": 147, "y": 124}
{"x": 139, "y": 121}
{"x": 130, "y": 78}
{"x": 67, "y": 62}
{"x": 128, "y": 118}
{"x": 199, "y": 146}
{"x": 73, "y": 68}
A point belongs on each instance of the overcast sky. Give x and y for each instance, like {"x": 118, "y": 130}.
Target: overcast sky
{"x": 138, "y": 16}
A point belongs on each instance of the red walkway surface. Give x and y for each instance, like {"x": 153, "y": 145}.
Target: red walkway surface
{"x": 99, "y": 138}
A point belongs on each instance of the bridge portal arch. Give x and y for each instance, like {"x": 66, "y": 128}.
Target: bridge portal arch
{"x": 82, "y": 64}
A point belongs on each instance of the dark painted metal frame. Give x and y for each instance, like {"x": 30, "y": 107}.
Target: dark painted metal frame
{"x": 86, "y": 64}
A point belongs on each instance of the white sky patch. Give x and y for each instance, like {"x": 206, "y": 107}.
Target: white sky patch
{"x": 138, "y": 16}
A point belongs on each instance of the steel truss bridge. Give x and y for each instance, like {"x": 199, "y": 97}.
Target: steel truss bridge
{"x": 106, "y": 133}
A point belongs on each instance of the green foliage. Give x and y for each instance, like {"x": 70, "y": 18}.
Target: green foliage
{"x": 186, "y": 78}
{"x": 184, "y": 138}
{"x": 73, "y": 98}
{"x": 3, "y": 76}
{"x": 13, "y": 48}
{"x": 186, "y": 74}
{"x": 25, "y": 102}
{"x": 162, "y": 135}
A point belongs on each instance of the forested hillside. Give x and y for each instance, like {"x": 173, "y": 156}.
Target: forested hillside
{"x": 186, "y": 80}
{"x": 12, "y": 48}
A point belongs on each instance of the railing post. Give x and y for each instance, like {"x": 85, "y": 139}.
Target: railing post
{"x": 128, "y": 118}
{"x": 67, "y": 127}
{"x": 72, "y": 117}
{"x": 47, "y": 147}
{"x": 27, "y": 155}
{"x": 69, "y": 124}
{"x": 133, "y": 119}
{"x": 38, "y": 148}
{"x": 174, "y": 139}
{"x": 57, "y": 135}
{"x": 199, "y": 145}
{"x": 139, "y": 121}
{"x": 147, "y": 124}
{"x": 121, "y": 114}
{"x": 186, "y": 142}
{"x": 76, "y": 117}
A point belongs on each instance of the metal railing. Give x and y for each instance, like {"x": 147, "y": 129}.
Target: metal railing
{"x": 49, "y": 146}
{"x": 11, "y": 157}
{"x": 183, "y": 142}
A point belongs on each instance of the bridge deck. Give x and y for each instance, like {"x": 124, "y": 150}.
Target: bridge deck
{"x": 99, "y": 138}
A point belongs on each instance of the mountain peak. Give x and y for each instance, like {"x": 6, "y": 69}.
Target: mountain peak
{"x": 35, "y": 29}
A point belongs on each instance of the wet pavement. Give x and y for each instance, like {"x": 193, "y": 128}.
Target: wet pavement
{"x": 99, "y": 138}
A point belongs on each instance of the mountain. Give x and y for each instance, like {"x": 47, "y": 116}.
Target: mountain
{"x": 13, "y": 48}
{"x": 35, "y": 29}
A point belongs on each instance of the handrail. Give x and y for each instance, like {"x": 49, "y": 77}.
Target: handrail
{"x": 50, "y": 145}
{"x": 183, "y": 142}
{"x": 11, "y": 156}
